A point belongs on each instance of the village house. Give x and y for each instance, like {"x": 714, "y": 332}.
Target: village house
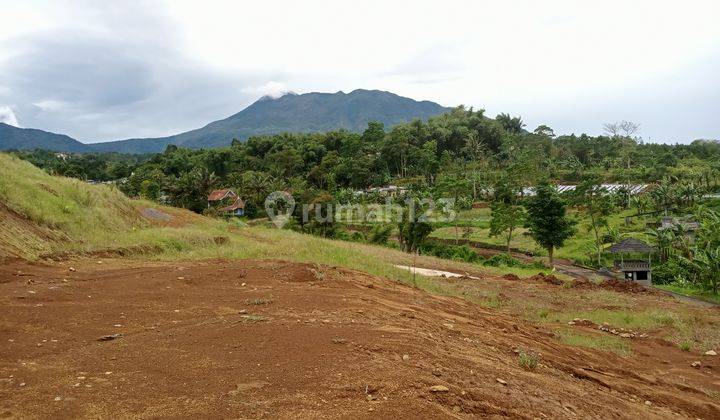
{"x": 227, "y": 202}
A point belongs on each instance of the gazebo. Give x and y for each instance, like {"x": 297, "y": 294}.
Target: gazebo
{"x": 638, "y": 270}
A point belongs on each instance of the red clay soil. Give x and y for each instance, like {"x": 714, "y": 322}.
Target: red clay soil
{"x": 272, "y": 339}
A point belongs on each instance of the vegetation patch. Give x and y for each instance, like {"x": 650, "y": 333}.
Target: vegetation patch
{"x": 598, "y": 342}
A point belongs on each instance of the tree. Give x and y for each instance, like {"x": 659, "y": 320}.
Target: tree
{"x": 629, "y": 128}
{"x": 413, "y": 229}
{"x": 547, "y": 221}
{"x": 544, "y": 130}
{"x": 510, "y": 124}
{"x": 598, "y": 207}
{"x": 506, "y": 215}
{"x": 612, "y": 129}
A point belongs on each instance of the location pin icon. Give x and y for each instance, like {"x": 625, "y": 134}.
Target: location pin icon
{"x": 279, "y": 206}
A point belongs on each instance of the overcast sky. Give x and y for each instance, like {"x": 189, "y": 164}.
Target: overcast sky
{"x": 102, "y": 71}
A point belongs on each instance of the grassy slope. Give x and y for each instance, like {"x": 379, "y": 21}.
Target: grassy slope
{"x": 56, "y": 215}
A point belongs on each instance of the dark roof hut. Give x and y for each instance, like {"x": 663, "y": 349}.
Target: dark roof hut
{"x": 631, "y": 246}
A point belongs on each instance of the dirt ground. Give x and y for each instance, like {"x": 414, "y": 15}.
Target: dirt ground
{"x": 271, "y": 339}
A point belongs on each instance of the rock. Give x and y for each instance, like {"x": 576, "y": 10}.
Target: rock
{"x": 58, "y": 398}
{"x": 109, "y": 337}
{"x": 406, "y": 357}
{"x": 500, "y": 381}
{"x": 439, "y": 388}
{"x": 626, "y": 335}
{"x": 648, "y": 403}
{"x": 710, "y": 353}
{"x": 72, "y": 269}
{"x": 370, "y": 397}
{"x": 696, "y": 364}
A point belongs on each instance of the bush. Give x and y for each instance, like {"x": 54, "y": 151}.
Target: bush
{"x": 670, "y": 271}
{"x": 451, "y": 252}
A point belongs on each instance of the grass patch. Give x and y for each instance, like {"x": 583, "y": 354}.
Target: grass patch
{"x": 261, "y": 301}
{"x": 527, "y": 361}
{"x": 602, "y": 342}
{"x": 691, "y": 291}
{"x": 253, "y": 318}
{"x": 621, "y": 318}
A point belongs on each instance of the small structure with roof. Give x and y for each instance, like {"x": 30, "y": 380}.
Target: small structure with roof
{"x": 638, "y": 270}
{"x": 227, "y": 202}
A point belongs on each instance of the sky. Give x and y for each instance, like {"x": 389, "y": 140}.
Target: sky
{"x": 101, "y": 71}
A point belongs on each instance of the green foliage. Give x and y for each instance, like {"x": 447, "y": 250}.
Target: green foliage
{"x": 547, "y": 222}
{"x": 506, "y": 214}
{"x": 413, "y": 230}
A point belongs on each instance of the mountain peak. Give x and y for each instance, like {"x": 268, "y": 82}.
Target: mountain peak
{"x": 273, "y": 96}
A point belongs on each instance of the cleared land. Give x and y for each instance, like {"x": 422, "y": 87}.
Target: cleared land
{"x": 277, "y": 339}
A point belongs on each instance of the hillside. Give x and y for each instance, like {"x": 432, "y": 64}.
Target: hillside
{"x": 29, "y": 138}
{"x": 306, "y": 113}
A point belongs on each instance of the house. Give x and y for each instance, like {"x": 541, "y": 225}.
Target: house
{"x": 237, "y": 208}
{"x": 637, "y": 269}
{"x": 227, "y": 202}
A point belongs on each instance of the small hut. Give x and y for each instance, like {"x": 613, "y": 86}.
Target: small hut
{"x": 638, "y": 270}
{"x": 237, "y": 208}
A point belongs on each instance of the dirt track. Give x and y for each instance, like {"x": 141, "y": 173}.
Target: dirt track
{"x": 274, "y": 339}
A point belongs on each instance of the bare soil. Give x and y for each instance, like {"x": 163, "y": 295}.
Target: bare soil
{"x": 249, "y": 339}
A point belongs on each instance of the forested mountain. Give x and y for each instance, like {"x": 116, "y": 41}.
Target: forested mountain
{"x": 30, "y": 138}
{"x": 307, "y": 113}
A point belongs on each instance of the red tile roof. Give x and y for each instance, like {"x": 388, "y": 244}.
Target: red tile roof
{"x": 238, "y": 204}
{"x": 218, "y": 195}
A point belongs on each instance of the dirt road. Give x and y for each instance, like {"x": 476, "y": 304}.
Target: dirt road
{"x": 271, "y": 339}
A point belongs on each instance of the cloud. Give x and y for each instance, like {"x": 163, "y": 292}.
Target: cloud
{"x": 124, "y": 77}
{"x": 106, "y": 71}
{"x": 272, "y": 89}
{"x": 7, "y": 116}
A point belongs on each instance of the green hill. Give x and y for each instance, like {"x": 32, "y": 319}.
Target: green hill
{"x": 307, "y": 113}
{"x": 30, "y": 138}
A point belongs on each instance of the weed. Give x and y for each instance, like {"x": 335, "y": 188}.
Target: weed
{"x": 261, "y": 301}
{"x": 528, "y": 361}
{"x": 685, "y": 346}
{"x": 543, "y": 313}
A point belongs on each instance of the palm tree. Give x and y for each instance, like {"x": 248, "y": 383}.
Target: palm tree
{"x": 664, "y": 240}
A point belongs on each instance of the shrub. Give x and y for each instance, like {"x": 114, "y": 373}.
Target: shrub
{"x": 528, "y": 361}
{"x": 668, "y": 272}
